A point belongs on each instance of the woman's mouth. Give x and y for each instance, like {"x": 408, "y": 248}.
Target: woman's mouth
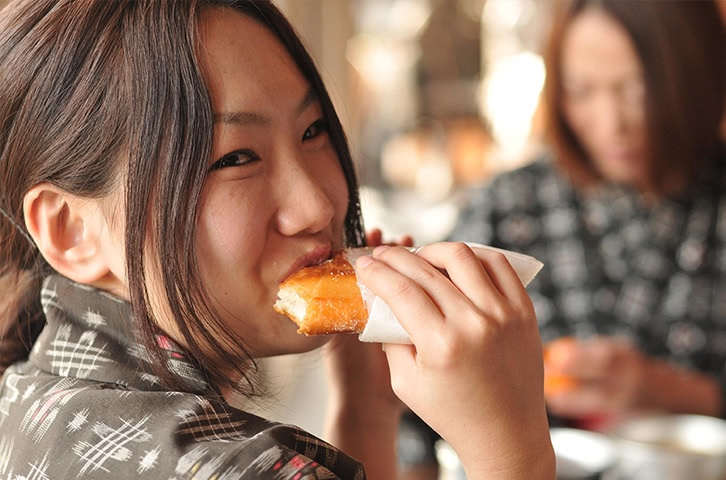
{"x": 314, "y": 256}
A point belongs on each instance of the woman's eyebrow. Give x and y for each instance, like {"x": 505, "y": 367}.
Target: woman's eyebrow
{"x": 255, "y": 119}
{"x": 243, "y": 119}
{"x": 308, "y": 99}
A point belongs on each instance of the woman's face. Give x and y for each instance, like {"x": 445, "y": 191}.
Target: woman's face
{"x": 275, "y": 197}
{"x": 603, "y": 96}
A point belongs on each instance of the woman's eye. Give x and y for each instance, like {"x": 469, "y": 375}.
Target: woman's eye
{"x": 318, "y": 127}
{"x": 577, "y": 93}
{"x": 235, "y": 159}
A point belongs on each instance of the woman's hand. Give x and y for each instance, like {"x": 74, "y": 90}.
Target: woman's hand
{"x": 474, "y": 372}
{"x": 606, "y": 376}
{"x": 609, "y": 376}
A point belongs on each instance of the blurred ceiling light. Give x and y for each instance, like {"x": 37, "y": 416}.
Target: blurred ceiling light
{"x": 400, "y": 18}
{"x": 408, "y": 17}
{"x": 511, "y": 95}
{"x": 503, "y": 13}
{"x": 379, "y": 61}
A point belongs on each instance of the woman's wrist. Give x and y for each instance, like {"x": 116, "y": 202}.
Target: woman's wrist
{"x": 527, "y": 458}
{"x": 518, "y": 447}
{"x": 368, "y": 432}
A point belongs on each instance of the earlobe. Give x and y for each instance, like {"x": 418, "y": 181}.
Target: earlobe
{"x": 66, "y": 230}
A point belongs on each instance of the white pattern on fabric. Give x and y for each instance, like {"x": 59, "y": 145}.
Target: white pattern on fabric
{"x": 30, "y": 390}
{"x": 48, "y": 298}
{"x": 189, "y": 460}
{"x": 6, "y": 453}
{"x": 148, "y": 461}
{"x": 79, "y": 420}
{"x": 112, "y": 444}
{"x": 94, "y": 319}
{"x": 82, "y": 355}
{"x": 38, "y": 470}
{"x": 10, "y": 395}
{"x": 265, "y": 460}
{"x": 44, "y": 410}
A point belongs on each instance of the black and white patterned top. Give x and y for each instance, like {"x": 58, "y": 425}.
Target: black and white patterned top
{"x": 85, "y": 405}
{"x": 615, "y": 265}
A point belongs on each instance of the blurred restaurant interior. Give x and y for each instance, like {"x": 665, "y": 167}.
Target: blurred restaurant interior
{"x": 435, "y": 96}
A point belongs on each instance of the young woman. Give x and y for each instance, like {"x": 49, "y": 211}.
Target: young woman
{"x": 165, "y": 165}
{"x": 626, "y": 210}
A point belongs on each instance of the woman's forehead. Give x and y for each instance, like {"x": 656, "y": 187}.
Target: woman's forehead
{"x": 248, "y": 66}
{"x": 597, "y": 43}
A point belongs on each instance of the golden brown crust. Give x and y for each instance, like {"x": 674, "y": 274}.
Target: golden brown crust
{"x": 333, "y": 298}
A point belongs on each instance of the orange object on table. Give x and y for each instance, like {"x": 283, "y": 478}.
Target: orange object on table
{"x": 556, "y": 354}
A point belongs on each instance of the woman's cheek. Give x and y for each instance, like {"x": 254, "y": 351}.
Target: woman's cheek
{"x": 230, "y": 228}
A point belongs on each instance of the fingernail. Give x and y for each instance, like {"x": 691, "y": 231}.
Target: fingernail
{"x": 363, "y": 261}
{"x": 379, "y": 250}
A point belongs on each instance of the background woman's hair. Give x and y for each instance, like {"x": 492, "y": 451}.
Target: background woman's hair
{"x": 682, "y": 48}
{"x": 116, "y": 91}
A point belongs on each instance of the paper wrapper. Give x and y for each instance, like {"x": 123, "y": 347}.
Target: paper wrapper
{"x": 383, "y": 327}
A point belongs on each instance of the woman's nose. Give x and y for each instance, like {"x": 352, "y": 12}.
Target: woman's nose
{"x": 610, "y": 116}
{"x": 619, "y": 115}
{"x": 304, "y": 205}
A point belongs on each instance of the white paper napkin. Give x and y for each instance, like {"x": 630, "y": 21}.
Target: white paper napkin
{"x": 383, "y": 327}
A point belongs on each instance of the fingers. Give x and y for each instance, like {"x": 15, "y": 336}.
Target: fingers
{"x": 594, "y": 359}
{"x": 405, "y": 241}
{"x": 454, "y": 305}
{"x": 465, "y": 271}
{"x": 417, "y": 288}
{"x": 502, "y": 275}
{"x": 484, "y": 276}
{"x": 579, "y": 402}
{"x": 374, "y": 237}
{"x": 411, "y": 305}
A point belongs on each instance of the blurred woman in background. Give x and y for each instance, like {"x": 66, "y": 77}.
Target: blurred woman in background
{"x": 627, "y": 211}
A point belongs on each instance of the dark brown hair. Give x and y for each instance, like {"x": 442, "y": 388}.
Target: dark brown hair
{"x": 96, "y": 92}
{"x": 682, "y": 48}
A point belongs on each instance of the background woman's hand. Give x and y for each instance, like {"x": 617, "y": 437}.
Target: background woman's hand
{"x": 607, "y": 376}
{"x": 474, "y": 372}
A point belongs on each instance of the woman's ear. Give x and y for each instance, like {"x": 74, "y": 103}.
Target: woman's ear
{"x": 68, "y": 231}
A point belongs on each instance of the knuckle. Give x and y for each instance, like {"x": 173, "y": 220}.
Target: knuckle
{"x": 461, "y": 251}
{"x": 499, "y": 311}
{"x": 449, "y": 350}
{"x": 403, "y": 286}
{"x": 497, "y": 257}
{"x": 425, "y": 275}
{"x": 525, "y": 313}
{"x": 389, "y": 253}
{"x": 479, "y": 327}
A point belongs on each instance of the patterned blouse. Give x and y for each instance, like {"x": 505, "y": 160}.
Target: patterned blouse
{"x": 614, "y": 265}
{"x": 84, "y": 405}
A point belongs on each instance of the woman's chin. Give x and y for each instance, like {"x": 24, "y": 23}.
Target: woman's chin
{"x": 291, "y": 342}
